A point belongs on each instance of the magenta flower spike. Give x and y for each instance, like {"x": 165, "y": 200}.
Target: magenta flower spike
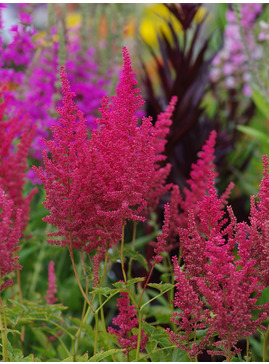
{"x": 126, "y": 321}
{"x": 95, "y": 185}
{"x": 52, "y": 287}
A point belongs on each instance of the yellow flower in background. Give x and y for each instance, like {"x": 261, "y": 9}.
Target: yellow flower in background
{"x": 73, "y": 19}
{"x": 155, "y": 19}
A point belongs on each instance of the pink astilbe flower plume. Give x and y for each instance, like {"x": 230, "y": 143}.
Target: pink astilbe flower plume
{"x": 52, "y": 287}
{"x": 126, "y": 321}
{"x": 222, "y": 263}
{"x": 13, "y": 160}
{"x": 63, "y": 175}
{"x": 10, "y": 233}
{"x": 192, "y": 317}
{"x": 94, "y": 185}
{"x": 162, "y": 239}
{"x": 258, "y": 231}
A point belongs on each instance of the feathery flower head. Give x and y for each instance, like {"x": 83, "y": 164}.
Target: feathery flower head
{"x": 10, "y": 234}
{"x": 94, "y": 185}
{"x": 13, "y": 160}
{"x": 52, "y": 288}
{"x": 126, "y": 321}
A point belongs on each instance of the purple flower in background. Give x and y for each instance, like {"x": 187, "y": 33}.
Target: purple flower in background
{"x": 25, "y": 62}
{"x": 231, "y": 63}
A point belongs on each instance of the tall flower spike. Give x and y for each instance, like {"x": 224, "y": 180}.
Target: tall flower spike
{"x": 162, "y": 239}
{"x": 199, "y": 178}
{"x": 10, "y": 233}
{"x": 52, "y": 288}
{"x": 13, "y": 160}
{"x": 63, "y": 175}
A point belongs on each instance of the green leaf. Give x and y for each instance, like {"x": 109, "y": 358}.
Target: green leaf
{"x": 254, "y": 133}
{"x": 179, "y": 355}
{"x": 122, "y": 285}
{"x": 161, "y": 286}
{"x": 105, "y": 291}
{"x": 83, "y": 358}
{"x": 260, "y": 100}
{"x": 128, "y": 252}
{"x": 104, "y": 354}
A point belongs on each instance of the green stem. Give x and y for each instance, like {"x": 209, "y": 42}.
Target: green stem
{"x": 95, "y": 333}
{"x": 4, "y": 341}
{"x": 139, "y": 335}
{"x": 61, "y": 328}
{"x": 133, "y": 248}
{"x": 18, "y": 274}
{"x": 121, "y": 254}
{"x": 78, "y": 334}
{"x": 247, "y": 351}
{"x": 264, "y": 350}
{"x": 105, "y": 266}
{"x": 76, "y": 274}
{"x": 104, "y": 326}
{"x": 3, "y": 330}
{"x": 154, "y": 298}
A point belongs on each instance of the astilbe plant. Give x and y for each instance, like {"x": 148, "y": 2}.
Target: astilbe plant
{"x": 94, "y": 185}
{"x": 219, "y": 287}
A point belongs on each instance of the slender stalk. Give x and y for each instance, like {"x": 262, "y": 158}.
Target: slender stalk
{"x": 95, "y": 333}
{"x": 264, "y": 350}
{"x": 195, "y": 338}
{"x": 139, "y": 335}
{"x": 105, "y": 266}
{"x": 154, "y": 298}
{"x": 145, "y": 285}
{"x": 76, "y": 274}
{"x": 3, "y": 331}
{"x": 133, "y": 248}
{"x": 121, "y": 254}
{"x": 104, "y": 326}
{"x": 18, "y": 274}
{"x": 78, "y": 334}
{"x": 247, "y": 353}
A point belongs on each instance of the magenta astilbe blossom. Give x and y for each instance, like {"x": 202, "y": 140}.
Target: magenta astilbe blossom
{"x": 126, "y": 321}
{"x": 162, "y": 239}
{"x": 221, "y": 265}
{"x": 10, "y": 233}
{"x": 258, "y": 231}
{"x": 94, "y": 185}
{"x": 13, "y": 160}
{"x": 52, "y": 287}
{"x": 63, "y": 175}
{"x": 199, "y": 175}
{"x": 193, "y": 315}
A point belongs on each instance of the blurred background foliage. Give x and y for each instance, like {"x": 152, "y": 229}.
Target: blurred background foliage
{"x": 172, "y": 48}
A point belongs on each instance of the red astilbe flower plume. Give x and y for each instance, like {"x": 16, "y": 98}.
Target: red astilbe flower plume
{"x": 162, "y": 239}
{"x": 94, "y": 185}
{"x": 52, "y": 288}
{"x": 10, "y": 233}
{"x": 13, "y": 160}
{"x": 126, "y": 321}
{"x": 64, "y": 172}
{"x": 193, "y": 315}
{"x": 219, "y": 266}
{"x": 198, "y": 184}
